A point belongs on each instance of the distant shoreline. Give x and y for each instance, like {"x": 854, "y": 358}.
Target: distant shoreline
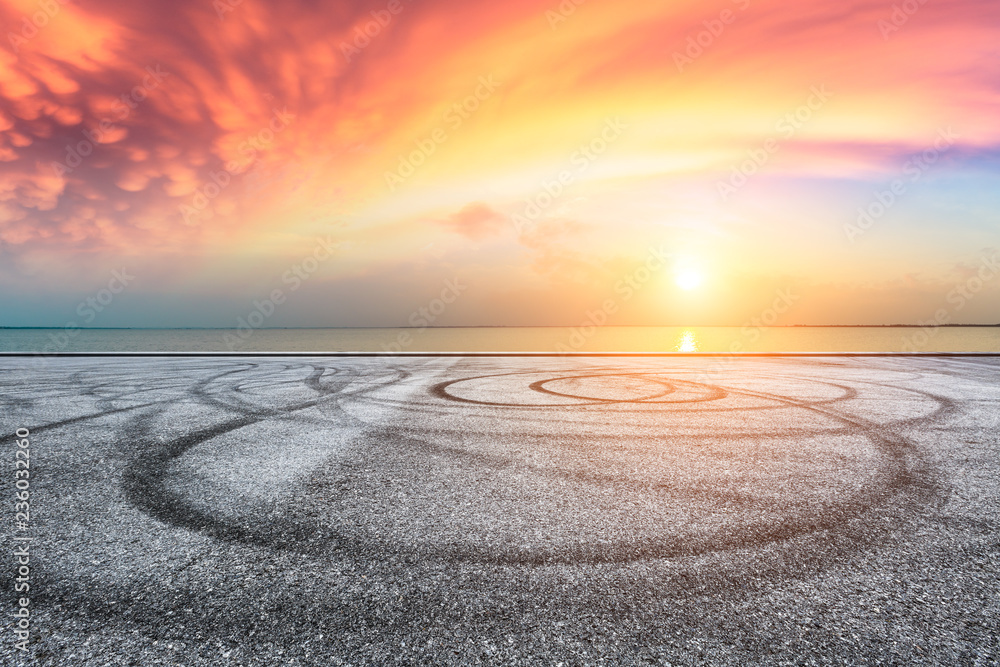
{"x": 547, "y": 326}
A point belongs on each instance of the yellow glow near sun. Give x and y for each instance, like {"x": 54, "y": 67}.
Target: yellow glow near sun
{"x": 688, "y": 279}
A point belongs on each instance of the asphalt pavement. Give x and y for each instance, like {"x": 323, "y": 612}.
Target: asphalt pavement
{"x": 477, "y": 510}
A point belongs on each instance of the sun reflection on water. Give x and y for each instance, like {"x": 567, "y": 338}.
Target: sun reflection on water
{"x": 688, "y": 342}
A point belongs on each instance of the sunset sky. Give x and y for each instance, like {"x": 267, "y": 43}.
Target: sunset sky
{"x": 690, "y": 161}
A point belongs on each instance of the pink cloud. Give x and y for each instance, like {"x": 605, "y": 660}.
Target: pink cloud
{"x": 476, "y": 221}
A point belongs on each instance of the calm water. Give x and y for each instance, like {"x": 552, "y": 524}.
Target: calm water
{"x": 512, "y": 339}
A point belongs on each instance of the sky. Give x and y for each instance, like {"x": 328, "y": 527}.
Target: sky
{"x": 528, "y": 162}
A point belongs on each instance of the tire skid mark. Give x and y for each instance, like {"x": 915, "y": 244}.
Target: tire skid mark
{"x": 145, "y": 487}
{"x": 95, "y": 415}
{"x": 146, "y": 477}
{"x": 900, "y": 479}
{"x": 440, "y": 390}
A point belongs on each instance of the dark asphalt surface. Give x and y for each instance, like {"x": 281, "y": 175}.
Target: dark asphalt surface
{"x": 327, "y": 511}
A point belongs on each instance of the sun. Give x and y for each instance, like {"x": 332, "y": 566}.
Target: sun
{"x": 688, "y": 279}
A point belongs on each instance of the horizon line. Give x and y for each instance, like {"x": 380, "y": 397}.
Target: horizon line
{"x": 513, "y": 326}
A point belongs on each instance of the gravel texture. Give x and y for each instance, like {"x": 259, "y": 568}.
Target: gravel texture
{"x": 327, "y": 511}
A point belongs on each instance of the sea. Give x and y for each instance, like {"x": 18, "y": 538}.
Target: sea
{"x": 581, "y": 339}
